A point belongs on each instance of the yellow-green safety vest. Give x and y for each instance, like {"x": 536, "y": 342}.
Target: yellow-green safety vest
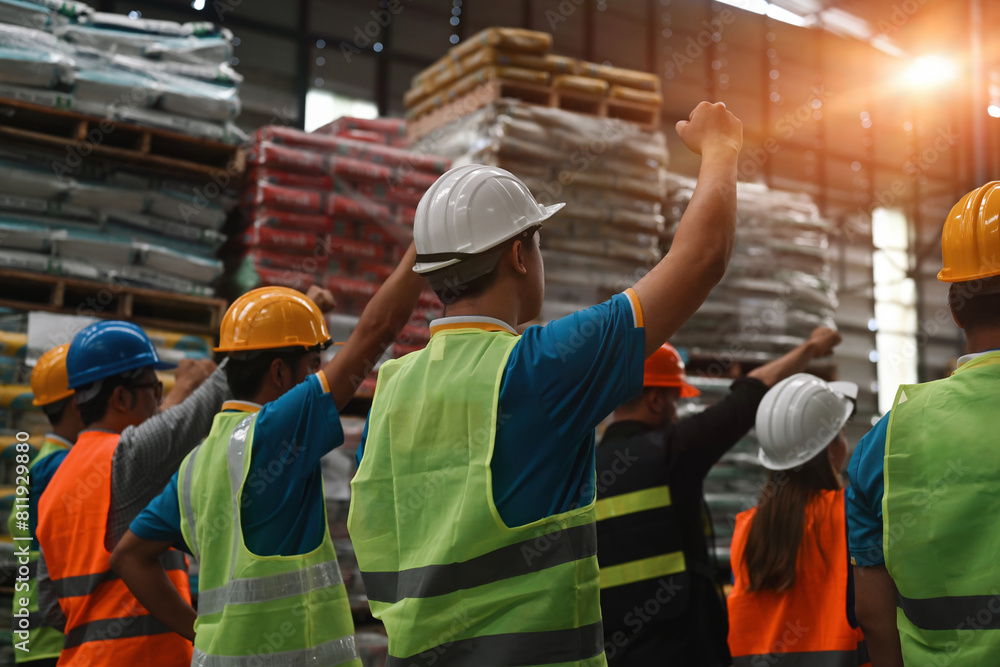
{"x": 939, "y": 513}
{"x": 43, "y": 641}
{"x": 255, "y": 611}
{"x": 453, "y": 584}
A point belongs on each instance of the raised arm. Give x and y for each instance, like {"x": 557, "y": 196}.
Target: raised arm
{"x": 820, "y": 344}
{"x": 381, "y": 320}
{"x": 703, "y": 243}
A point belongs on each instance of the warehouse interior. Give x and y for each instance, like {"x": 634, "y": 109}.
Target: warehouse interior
{"x": 864, "y": 121}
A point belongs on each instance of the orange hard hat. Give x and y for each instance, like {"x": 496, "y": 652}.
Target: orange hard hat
{"x": 665, "y": 368}
{"x": 970, "y": 240}
{"x": 49, "y": 380}
{"x": 272, "y": 317}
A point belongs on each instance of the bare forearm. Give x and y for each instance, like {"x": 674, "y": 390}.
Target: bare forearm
{"x": 139, "y": 567}
{"x": 793, "y": 362}
{"x": 679, "y": 284}
{"x": 875, "y": 608}
{"x": 383, "y": 317}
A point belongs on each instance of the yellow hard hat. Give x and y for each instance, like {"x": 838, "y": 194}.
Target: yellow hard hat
{"x": 272, "y": 317}
{"x": 970, "y": 240}
{"x": 49, "y": 380}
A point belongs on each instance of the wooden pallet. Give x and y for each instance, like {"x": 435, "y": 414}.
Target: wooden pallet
{"x": 149, "y": 308}
{"x": 82, "y": 135}
{"x": 646, "y": 116}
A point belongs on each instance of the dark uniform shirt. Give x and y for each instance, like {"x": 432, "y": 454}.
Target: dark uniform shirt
{"x": 681, "y": 621}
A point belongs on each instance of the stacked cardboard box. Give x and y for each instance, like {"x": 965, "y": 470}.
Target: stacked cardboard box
{"x": 522, "y": 56}
{"x": 609, "y": 172}
{"x": 334, "y": 211}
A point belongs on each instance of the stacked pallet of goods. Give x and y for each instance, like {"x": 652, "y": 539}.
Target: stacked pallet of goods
{"x": 777, "y": 289}
{"x": 509, "y": 61}
{"x": 114, "y": 165}
{"x": 335, "y": 211}
{"x": 609, "y": 171}
{"x": 173, "y": 76}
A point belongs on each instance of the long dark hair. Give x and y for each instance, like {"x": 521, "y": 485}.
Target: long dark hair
{"x": 776, "y": 532}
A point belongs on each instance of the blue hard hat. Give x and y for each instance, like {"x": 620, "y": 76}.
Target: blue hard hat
{"x": 109, "y": 348}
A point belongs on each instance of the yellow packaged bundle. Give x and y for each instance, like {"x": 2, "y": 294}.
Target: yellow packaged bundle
{"x": 635, "y": 95}
{"x": 13, "y": 344}
{"x": 508, "y": 39}
{"x": 629, "y": 78}
{"x": 581, "y": 84}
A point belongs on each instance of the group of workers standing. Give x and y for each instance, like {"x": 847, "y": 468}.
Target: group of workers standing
{"x": 489, "y": 527}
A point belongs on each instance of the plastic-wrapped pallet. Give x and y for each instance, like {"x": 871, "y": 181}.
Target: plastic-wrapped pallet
{"x": 163, "y": 74}
{"x": 779, "y": 284}
{"x": 332, "y": 210}
{"x": 609, "y": 172}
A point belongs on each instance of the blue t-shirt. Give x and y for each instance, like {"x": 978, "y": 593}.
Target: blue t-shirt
{"x": 41, "y": 474}
{"x": 282, "y": 503}
{"x": 863, "y": 498}
{"x": 561, "y": 380}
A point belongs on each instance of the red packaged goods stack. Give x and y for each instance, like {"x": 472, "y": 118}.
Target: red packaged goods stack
{"x": 333, "y": 208}
{"x": 388, "y": 131}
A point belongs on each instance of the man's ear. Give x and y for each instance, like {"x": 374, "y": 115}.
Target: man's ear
{"x": 121, "y": 399}
{"x": 954, "y": 315}
{"x": 655, "y": 399}
{"x": 518, "y": 252}
{"x": 279, "y": 373}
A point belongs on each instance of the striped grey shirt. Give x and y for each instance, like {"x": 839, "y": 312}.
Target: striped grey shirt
{"x": 150, "y": 453}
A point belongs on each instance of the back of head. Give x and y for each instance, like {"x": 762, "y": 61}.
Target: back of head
{"x": 463, "y": 221}
{"x": 970, "y": 251}
{"x": 797, "y": 420}
{"x": 265, "y": 324}
{"x": 50, "y": 384}
{"x": 104, "y": 356}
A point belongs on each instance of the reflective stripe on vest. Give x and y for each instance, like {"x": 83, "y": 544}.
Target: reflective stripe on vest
{"x": 335, "y": 652}
{"x": 192, "y": 539}
{"x": 271, "y": 587}
{"x": 85, "y": 584}
{"x": 940, "y": 441}
{"x": 115, "y": 628}
{"x": 964, "y": 612}
{"x": 512, "y": 649}
{"x": 807, "y": 659}
{"x": 645, "y": 568}
{"x": 271, "y": 590}
{"x": 564, "y": 546}
{"x": 637, "y": 501}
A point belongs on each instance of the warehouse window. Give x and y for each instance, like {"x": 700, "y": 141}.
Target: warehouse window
{"x": 323, "y": 106}
{"x": 895, "y": 306}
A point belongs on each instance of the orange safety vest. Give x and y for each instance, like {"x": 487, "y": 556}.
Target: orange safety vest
{"x": 105, "y": 624}
{"x": 806, "y": 625}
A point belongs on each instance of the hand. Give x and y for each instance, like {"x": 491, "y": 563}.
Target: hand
{"x": 822, "y": 340}
{"x": 709, "y": 127}
{"x": 323, "y": 298}
{"x": 190, "y": 374}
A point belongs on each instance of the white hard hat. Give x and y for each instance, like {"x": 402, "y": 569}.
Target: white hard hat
{"x": 470, "y": 210}
{"x": 799, "y": 417}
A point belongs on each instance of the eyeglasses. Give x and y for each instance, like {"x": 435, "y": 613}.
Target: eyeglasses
{"x": 155, "y": 385}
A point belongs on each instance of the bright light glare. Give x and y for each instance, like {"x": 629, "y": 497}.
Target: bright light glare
{"x": 198, "y": 4}
{"x": 781, "y": 14}
{"x": 930, "y": 71}
{"x": 755, "y": 6}
{"x": 993, "y": 110}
